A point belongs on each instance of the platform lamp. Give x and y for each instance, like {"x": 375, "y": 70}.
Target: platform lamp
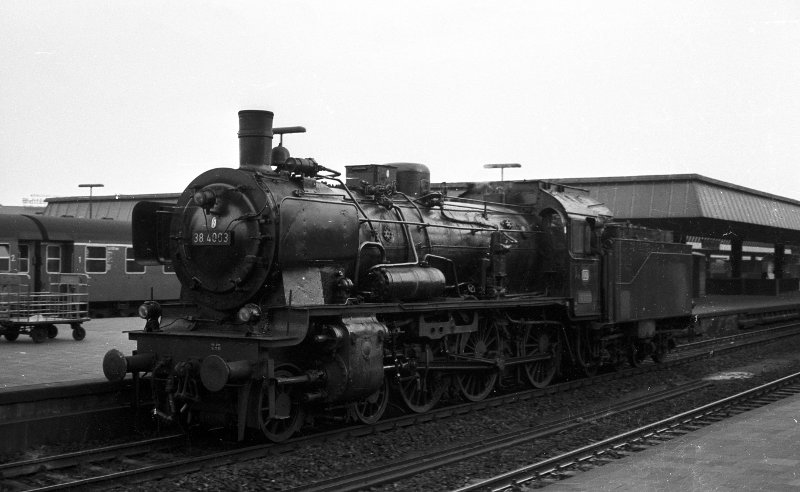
{"x": 501, "y": 167}
{"x": 91, "y": 187}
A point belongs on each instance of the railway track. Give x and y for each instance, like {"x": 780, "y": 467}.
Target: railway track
{"x": 154, "y": 459}
{"x": 397, "y": 471}
{"x": 53, "y": 472}
{"x": 616, "y": 447}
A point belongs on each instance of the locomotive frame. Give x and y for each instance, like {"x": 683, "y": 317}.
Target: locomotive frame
{"x": 315, "y": 299}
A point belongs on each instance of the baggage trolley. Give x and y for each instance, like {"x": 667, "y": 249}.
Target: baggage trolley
{"x": 36, "y": 313}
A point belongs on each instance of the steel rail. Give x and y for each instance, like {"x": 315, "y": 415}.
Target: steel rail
{"x": 401, "y": 469}
{"x": 520, "y": 476}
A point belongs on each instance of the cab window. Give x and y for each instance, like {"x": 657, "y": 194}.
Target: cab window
{"x": 581, "y": 236}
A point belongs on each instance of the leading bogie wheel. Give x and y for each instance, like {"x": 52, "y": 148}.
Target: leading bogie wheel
{"x": 371, "y": 409}
{"x": 289, "y": 413}
{"x": 540, "y": 373}
{"x": 78, "y": 332}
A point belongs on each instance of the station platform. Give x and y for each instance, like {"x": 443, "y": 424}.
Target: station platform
{"x": 63, "y": 359}
{"x": 755, "y": 450}
{"x": 725, "y": 305}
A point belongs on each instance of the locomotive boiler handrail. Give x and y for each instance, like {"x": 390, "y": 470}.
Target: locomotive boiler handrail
{"x": 407, "y": 233}
{"x": 481, "y": 211}
{"x": 355, "y": 202}
{"x": 481, "y": 202}
{"x": 459, "y": 221}
{"x": 460, "y": 228}
{"x": 421, "y": 217}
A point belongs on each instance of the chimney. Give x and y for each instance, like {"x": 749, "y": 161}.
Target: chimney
{"x": 255, "y": 140}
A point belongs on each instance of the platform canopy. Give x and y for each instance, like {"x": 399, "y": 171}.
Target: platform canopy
{"x": 695, "y": 205}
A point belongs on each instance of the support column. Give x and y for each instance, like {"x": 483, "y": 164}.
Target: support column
{"x": 777, "y": 266}
{"x": 736, "y": 256}
{"x": 736, "y": 262}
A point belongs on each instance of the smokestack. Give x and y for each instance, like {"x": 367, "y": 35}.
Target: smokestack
{"x": 255, "y": 140}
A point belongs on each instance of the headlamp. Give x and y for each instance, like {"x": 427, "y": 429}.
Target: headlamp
{"x": 249, "y": 313}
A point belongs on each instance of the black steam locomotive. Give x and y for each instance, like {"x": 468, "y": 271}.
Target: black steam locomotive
{"x": 319, "y": 296}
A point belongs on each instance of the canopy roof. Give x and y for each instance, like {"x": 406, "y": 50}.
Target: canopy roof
{"x": 692, "y": 204}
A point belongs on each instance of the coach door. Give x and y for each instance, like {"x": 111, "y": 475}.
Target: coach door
{"x": 24, "y": 260}
{"x": 54, "y": 258}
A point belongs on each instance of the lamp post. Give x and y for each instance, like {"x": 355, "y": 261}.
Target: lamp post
{"x": 91, "y": 187}
{"x": 501, "y": 167}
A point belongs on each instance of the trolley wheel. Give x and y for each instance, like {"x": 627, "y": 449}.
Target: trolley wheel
{"x": 78, "y": 332}
{"x": 38, "y": 334}
{"x": 11, "y": 334}
{"x": 52, "y": 331}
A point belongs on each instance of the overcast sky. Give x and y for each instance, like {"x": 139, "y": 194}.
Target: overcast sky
{"x": 142, "y": 96}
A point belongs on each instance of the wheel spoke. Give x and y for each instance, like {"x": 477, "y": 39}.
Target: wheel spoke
{"x": 372, "y": 408}
{"x": 476, "y": 385}
{"x": 421, "y": 398}
{"x": 536, "y": 342}
{"x": 278, "y": 429}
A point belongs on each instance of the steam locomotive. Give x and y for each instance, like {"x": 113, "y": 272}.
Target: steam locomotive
{"x": 316, "y": 296}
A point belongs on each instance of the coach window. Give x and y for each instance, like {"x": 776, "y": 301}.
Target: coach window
{"x": 53, "y": 258}
{"x": 130, "y": 262}
{"x": 169, "y": 268}
{"x": 24, "y": 258}
{"x": 5, "y": 258}
{"x": 96, "y": 259}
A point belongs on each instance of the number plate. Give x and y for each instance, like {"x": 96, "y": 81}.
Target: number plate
{"x": 211, "y": 238}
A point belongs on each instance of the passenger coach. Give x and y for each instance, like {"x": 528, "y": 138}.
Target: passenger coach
{"x": 40, "y": 246}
